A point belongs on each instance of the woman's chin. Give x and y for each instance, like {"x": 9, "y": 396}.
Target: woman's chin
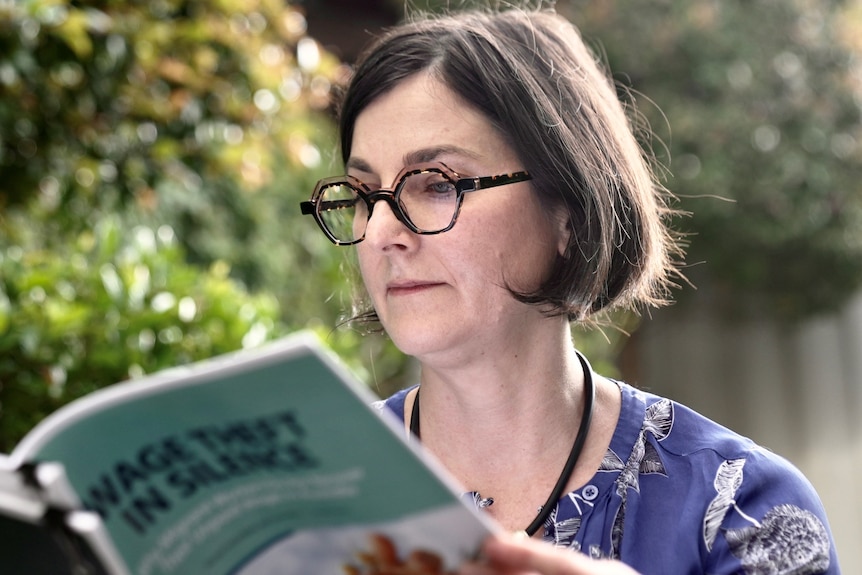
{"x": 421, "y": 341}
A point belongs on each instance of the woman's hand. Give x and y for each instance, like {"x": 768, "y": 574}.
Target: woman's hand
{"x": 510, "y": 555}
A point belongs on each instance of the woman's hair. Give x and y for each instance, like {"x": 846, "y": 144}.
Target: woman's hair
{"x": 531, "y": 75}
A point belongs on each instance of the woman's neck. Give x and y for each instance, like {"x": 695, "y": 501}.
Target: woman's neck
{"x": 506, "y": 428}
{"x": 519, "y": 391}
{"x": 514, "y": 380}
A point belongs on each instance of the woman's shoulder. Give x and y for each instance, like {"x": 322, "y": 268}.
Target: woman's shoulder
{"x": 743, "y": 495}
{"x": 679, "y": 429}
{"x": 689, "y": 438}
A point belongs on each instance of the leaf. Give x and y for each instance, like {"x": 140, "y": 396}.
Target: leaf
{"x": 651, "y": 462}
{"x": 659, "y": 418}
{"x": 728, "y": 478}
{"x": 611, "y": 462}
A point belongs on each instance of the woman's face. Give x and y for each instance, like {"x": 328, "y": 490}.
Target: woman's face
{"x": 445, "y": 295}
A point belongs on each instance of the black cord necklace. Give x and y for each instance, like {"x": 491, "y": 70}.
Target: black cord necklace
{"x": 574, "y": 454}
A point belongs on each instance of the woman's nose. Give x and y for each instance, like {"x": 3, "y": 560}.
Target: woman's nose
{"x": 384, "y": 229}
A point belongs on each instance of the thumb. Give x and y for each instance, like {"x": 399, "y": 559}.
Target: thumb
{"x": 510, "y": 554}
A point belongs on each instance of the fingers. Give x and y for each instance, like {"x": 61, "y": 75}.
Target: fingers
{"x": 506, "y": 555}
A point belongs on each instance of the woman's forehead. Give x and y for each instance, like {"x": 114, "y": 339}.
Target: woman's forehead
{"x": 421, "y": 120}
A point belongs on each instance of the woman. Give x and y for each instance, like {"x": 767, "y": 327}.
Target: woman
{"x": 496, "y": 192}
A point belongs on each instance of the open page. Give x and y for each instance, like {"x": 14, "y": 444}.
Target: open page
{"x": 264, "y": 461}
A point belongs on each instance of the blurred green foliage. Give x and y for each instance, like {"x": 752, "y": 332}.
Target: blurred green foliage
{"x": 152, "y": 157}
{"x": 105, "y": 307}
{"x": 117, "y": 100}
{"x": 757, "y": 109}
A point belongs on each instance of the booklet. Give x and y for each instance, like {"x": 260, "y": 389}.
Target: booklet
{"x": 257, "y": 462}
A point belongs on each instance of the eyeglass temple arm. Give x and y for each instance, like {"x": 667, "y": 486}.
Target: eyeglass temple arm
{"x": 473, "y": 184}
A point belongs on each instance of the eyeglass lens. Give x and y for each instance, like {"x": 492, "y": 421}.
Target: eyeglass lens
{"x": 427, "y": 200}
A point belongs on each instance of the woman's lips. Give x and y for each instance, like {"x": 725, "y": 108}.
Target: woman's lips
{"x": 409, "y": 287}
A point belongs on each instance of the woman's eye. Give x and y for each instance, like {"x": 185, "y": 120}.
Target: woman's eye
{"x": 442, "y": 187}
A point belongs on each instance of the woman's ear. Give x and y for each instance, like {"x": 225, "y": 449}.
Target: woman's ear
{"x": 564, "y": 233}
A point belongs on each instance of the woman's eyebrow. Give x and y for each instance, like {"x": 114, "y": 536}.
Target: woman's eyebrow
{"x": 431, "y": 154}
{"x": 419, "y": 156}
{"x": 358, "y": 164}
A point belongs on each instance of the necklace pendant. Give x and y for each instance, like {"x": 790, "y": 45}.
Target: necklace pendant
{"x": 483, "y": 502}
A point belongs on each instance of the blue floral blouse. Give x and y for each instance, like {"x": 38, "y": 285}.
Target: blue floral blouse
{"x": 678, "y": 493}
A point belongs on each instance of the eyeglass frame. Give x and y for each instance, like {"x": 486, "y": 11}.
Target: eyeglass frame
{"x": 391, "y": 195}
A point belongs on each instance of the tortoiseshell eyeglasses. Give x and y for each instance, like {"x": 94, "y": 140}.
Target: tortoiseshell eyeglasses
{"x": 425, "y": 197}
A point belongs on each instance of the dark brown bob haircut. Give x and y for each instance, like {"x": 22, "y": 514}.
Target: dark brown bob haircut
{"x": 531, "y": 75}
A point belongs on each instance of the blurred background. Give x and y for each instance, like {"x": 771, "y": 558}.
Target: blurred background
{"x": 153, "y": 154}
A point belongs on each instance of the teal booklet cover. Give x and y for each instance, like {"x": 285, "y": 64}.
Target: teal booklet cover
{"x": 265, "y": 461}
